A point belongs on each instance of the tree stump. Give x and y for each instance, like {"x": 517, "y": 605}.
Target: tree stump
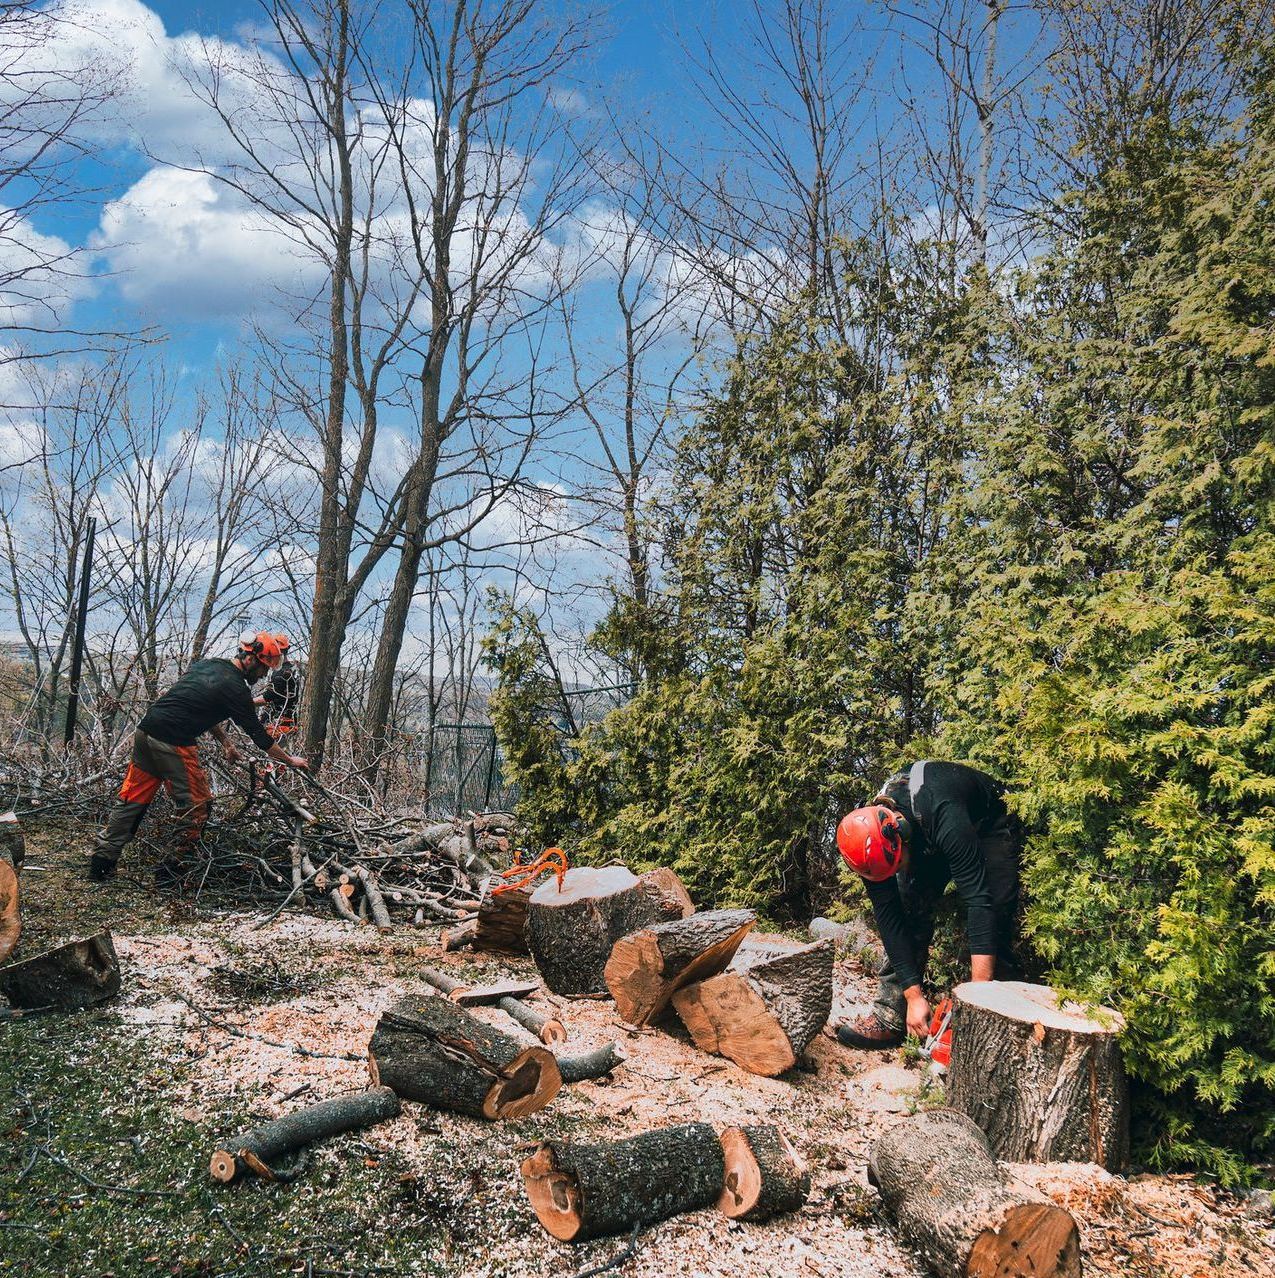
{"x": 1043, "y": 1079}
{"x": 72, "y": 976}
{"x": 764, "y": 1015}
{"x": 580, "y": 1191}
{"x": 254, "y": 1151}
{"x": 12, "y": 850}
{"x": 961, "y": 1210}
{"x": 764, "y": 1175}
{"x": 501, "y": 925}
{"x": 428, "y": 1049}
{"x": 646, "y": 967}
{"x": 571, "y": 932}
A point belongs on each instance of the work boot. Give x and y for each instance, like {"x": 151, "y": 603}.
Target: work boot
{"x": 101, "y": 869}
{"x": 868, "y": 1034}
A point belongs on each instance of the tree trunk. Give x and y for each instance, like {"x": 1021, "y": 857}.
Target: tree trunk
{"x": 1044, "y": 1081}
{"x": 75, "y": 975}
{"x": 502, "y": 920}
{"x": 647, "y": 967}
{"x": 12, "y": 850}
{"x": 571, "y": 932}
{"x": 961, "y": 1210}
{"x": 253, "y": 1151}
{"x": 428, "y": 1049}
{"x": 581, "y": 1191}
{"x": 762, "y": 1016}
{"x": 764, "y": 1175}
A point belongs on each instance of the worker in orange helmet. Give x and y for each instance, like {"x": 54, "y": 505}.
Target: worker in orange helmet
{"x": 932, "y": 824}
{"x": 280, "y": 695}
{"x": 165, "y": 752}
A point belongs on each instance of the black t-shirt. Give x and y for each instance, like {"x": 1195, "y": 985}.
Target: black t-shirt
{"x": 949, "y": 805}
{"x": 210, "y": 692}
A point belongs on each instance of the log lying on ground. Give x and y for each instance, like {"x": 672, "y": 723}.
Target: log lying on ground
{"x": 548, "y": 1029}
{"x": 764, "y": 1175}
{"x": 1043, "y": 1079}
{"x": 571, "y": 931}
{"x": 580, "y": 1191}
{"x": 762, "y": 1016}
{"x": 501, "y": 925}
{"x": 648, "y": 966}
{"x": 961, "y": 1210}
{"x": 12, "y": 849}
{"x": 72, "y": 976}
{"x": 255, "y": 1150}
{"x": 428, "y": 1049}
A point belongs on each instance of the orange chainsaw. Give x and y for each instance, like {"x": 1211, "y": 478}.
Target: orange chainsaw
{"x": 938, "y": 1043}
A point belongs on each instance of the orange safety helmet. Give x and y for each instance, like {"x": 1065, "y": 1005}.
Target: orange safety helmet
{"x": 262, "y": 645}
{"x": 284, "y": 645}
{"x": 872, "y": 841}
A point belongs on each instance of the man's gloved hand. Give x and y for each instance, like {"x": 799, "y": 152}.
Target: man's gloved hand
{"x": 230, "y": 751}
{"x": 918, "y": 1015}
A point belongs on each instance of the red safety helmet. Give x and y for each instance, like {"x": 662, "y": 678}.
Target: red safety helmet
{"x": 262, "y": 645}
{"x": 872, "y": 841}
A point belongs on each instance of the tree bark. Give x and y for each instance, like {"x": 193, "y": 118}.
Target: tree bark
{"x": 428, "y": 1049}
{"x": 647, "y": 967}
{"x": 571, "y": 932}
{"x": 76, "y": 975}
{"x": 762, "y": 1016}
{"x": 961, "y": 1210}
{"x": 502, "y": 920}
{"x": 254, "y": 1150}
{"x": 764, "y": 1175}
{"x": 1043, "y": 1079}
{"x": 581, "y": 1191}
{"x": 12, "y": 851}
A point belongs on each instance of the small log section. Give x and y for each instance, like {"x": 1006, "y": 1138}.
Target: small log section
{"x": 548, "y": 1029}
{"x": 762, "y": 1016}
{"x": 501, "y": 925}
{"x": 428, "y": 1049}
{"x": 255, "y": 1150}
{"x": 580, "y": 1191}
{"x": 571, "y": 932}
{"x": 76, "y": 975}
{"x": 12, "y": 850}
{"x": 764, "y": 1174}
{"x": 956, "y": 1206}
{"x": 1044, "y": 1079}
{"x": 647, "y": 967}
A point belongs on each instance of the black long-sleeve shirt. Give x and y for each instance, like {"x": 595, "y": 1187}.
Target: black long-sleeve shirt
{"x": 948, "y": 806}
{"x": 282, "y": 692}
{"x": 210, "y": 692}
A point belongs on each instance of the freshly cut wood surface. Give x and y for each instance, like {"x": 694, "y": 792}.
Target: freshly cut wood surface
{"x": 501, "y": 925}
{"x": 429, "y": 1049}
{"x": 12, "y": 850}
{"x": 571, "y": 930}
{"x": 254, "y": 1150}
{"x": 580, "y": 1190}
{"x": 764, "y": 1174}
{"x": 762, "y": 1016}
{"x": 961, "y": 1211}
{"x": 69, "y": 977}
{"x": 647, "y": 966}
{"x": 1042, "y": 1077}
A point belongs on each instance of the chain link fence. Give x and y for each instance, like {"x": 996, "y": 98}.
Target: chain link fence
{"x": 463, "y": 770}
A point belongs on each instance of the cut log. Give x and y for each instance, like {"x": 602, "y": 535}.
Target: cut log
{"x": 12, "y": 850}
{"x": 428, "y": 1049}
{"x": 456, "y": 938}
{"x": 764, "y": 1015}
{"x": 764, "y": 1175}
{"x": 1044, "y": 1079}
{"x": 548, "y": 1029}
{"x": 571, "y": 931}
{"x": 501, "y": 925}
{"x": 961, "y": 1210}
{"x": 580, "y": 1191}
{"x": 486, "y": 995}
{"x": 585, "y": 1065}
{"x": 646, "y": 967}
{"x": 72, "y": 976}
{"x": 254, "y": 1151}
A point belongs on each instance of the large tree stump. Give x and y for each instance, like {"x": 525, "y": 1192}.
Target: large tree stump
{"x": 255, "y": 1150}
{"x": 428, "y": 1049}
{"x": 571, "y": 931}
{"x": 762, "y": 1016}
{"x": 764, "y": 1175}
{"x": 1043, "y": 1079}
{"x": 501, "y": 925}
{"x": 12, "y": 850}
{"x": 580, "y": 1191}
{"x": 75, "y": 975}
{"x": 646, "y": 967}
{"x": 961, "y": 1210}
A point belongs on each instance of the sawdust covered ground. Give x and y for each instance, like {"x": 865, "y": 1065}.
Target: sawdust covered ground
{"x": 193, "y": 976}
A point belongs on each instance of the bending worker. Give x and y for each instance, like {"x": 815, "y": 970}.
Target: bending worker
{"x": 280, "y": 695}
{"x": 164, "y": 751}
{"x": 932, "y": 824}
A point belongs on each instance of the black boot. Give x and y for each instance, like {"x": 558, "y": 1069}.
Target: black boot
{"x": 101, "y": 869}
